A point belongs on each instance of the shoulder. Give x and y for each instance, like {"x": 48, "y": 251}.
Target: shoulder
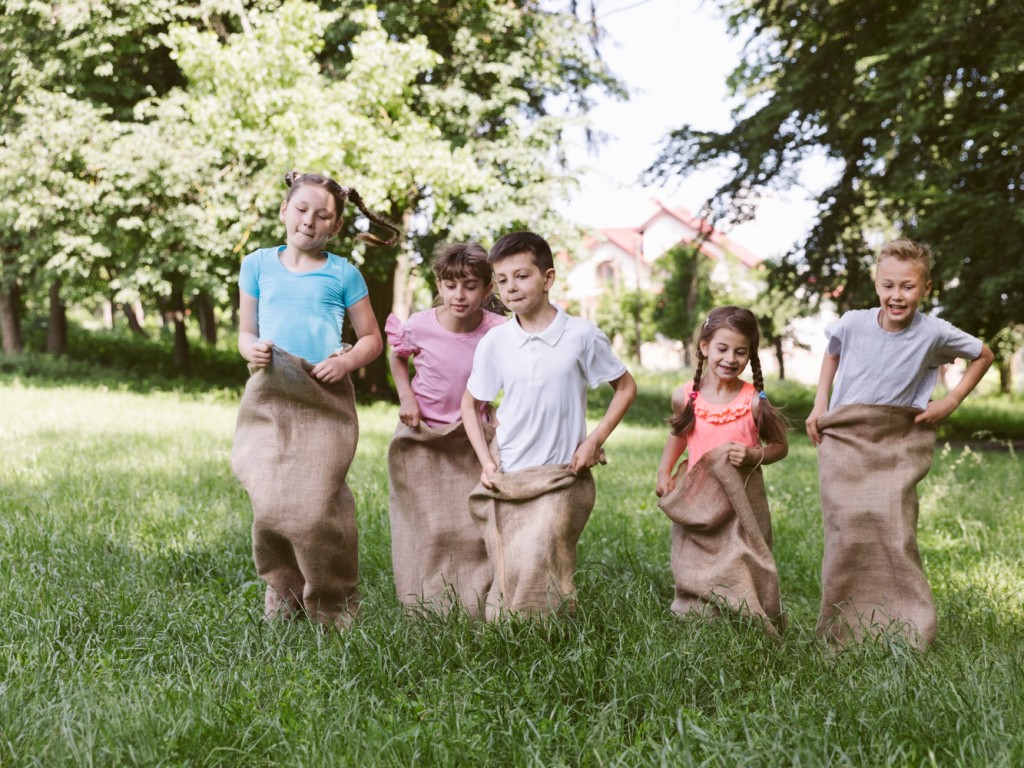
{"x": 341, "y": 265}
{"x": 258, "y": 257}
{"x": 492, "y": 320}
{"x": 680, "y": 396}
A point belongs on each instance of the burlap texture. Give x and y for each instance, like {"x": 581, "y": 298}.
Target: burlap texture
{"x": 722, "y": 541}
{"x": 870, "y": 461}
{"x": 437, "y": 551}
{"x": 531, "y": 522}
{"x": 294, "y": 442}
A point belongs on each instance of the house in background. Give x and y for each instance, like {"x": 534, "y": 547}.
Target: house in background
{"x": 621, "y": 259}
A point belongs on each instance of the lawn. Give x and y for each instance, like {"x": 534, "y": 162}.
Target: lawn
{"x": 131, "y": 631}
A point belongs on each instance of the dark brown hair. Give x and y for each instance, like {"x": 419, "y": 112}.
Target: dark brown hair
{"x": 455, "y": 261}
{"x": 523, "y": 242}
{"x": 771, "y": 425}
{"x": 296, "y": 179}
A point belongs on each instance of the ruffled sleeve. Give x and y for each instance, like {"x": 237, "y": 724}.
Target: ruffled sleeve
{"x": 399, "y": 338}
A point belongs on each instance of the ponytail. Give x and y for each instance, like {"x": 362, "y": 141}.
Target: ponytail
{"x": 295, "y": 179}
{"x": 682, "y": 422}
{"x": 771, "y": 424}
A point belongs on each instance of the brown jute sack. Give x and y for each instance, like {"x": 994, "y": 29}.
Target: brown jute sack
{"x": 531, "y": 522}
{"x": 437, "y": 551}
{"x": 870, "y": 461}
{"x": 294, "y": 442}
{"x": 722, "y": 541}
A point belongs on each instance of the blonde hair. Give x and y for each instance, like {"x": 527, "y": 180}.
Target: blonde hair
{"x": 905, "y": 249}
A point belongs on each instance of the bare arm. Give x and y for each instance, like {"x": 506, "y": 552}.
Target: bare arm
{"x": 367, "y": 347}
{"x": 470, "y": 410}
{"x": 408, "y": 409}
{"x": 674, "y": 447}
{"x": 829, "y": 366}
{"x": 588, "y": 452}
{"x": 249, "y": 345}
{"x": 939, "y": 409}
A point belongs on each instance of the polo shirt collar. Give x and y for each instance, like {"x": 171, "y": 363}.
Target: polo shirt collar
{"x": 549, "y": 335}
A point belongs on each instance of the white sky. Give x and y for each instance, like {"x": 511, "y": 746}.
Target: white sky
{"x": 674, "y": 56}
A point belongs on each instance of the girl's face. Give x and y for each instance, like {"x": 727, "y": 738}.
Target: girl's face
{"x": 310, "y": 218}
{"x": 727, "y": 353}
{"x": 463, "y": 296}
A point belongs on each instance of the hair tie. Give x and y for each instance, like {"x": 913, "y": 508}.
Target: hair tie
{"x": 762, "y": 395}
{"x": 693, "y": 395}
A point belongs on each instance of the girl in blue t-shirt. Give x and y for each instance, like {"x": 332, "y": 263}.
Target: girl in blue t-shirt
{"x": 297, "y": 430}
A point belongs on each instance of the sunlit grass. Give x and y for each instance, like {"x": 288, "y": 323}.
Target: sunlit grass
{"x": 131, "y": 631}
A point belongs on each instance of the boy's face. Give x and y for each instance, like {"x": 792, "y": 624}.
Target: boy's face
{"x": 523, "y": 287}
{"x": 900, "y": 286}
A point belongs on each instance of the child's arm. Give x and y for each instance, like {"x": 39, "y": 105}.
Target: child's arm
{"x": 589, "y": 451}
{"x": 249, "y": 345}
{"x": 674, "y": 447}
{"x": 939, "y": 409}
{"x": 829, "y": 366}
{"x": 470, "y": 410}
{"x": 366, "y": 348}
{"x": 408, "y": 409}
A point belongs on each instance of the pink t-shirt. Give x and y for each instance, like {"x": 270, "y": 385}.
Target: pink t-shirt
{"x": 715, "y": 425}
{"x": 443, "y": 361}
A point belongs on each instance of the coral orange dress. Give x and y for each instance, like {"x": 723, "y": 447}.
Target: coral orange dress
{"x": 714, "y": 425}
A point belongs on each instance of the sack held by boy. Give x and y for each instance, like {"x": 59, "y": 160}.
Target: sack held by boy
{"x": 875, "y": 440}
{"x": 543, "y": 361}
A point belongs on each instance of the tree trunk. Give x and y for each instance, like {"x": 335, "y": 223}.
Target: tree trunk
{"x": 373, "y": 378}
{"x": 780, "y": 358}
{"x": 202, "y": 308}
{"x": 401, "y": 301}
{"x": 10, "y": 320}
{"x": 132, "y": 314}
{"x": 1005, "y": 368}
{"x": 176, "y": 315}
{"x": 57, "y": 331}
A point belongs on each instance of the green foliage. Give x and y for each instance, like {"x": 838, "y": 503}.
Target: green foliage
{"x": 132, "y": 631}
{"x": 688, "y": 292}
{"x": 628, "y": 317}
{"x": 915, "y": 105}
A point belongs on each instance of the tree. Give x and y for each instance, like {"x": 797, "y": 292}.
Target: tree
{"x": 916, "y": 106}
{"x": 688, "y": 294}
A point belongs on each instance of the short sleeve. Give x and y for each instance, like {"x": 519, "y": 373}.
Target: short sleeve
{"x": 485, "y": 381}
{"x": 955, "y": 343}
{"x": 600, "y": 361}
{"x": 399, "y": 337}
{"x": 836, "y": 334}
{"x": 248, "y": 276}
{"x": 353, "y": 283}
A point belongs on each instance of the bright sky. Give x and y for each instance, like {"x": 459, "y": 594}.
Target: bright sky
{"x": 674, "y": 56}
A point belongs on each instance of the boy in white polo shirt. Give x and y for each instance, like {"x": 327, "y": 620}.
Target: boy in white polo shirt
{"x": 543, "y": 361}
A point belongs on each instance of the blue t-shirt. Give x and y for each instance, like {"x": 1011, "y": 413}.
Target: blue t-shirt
{"x": 301, "y": 312}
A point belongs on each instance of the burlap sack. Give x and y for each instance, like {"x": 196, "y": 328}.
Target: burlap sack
{"x": 870, "y": 461}
{"x": 531, "y": 522}
{"x": 722, "y": 541}
{"x": 437, "y": 551}
{"x": 294, "y": 442}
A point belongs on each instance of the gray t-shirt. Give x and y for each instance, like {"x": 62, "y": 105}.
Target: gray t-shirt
{"x": 877, "y": 367}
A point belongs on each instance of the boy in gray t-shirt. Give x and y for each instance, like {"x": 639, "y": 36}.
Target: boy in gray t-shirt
{"x": 875, "y": 442}
{"x": 891, "y": 355}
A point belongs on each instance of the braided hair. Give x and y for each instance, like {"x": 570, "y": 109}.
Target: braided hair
{"x": 296, "y": 179}
{"x": 771, "y": 424}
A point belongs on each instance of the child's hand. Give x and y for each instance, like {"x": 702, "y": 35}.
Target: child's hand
{"x": 409, "y": 413}
{"x": 666, "y": 484}
{"x": 261, "y": 354}
{"x": 937, "y": 410}
{"x": 743, "y": 456}
{"x": 812, "y": 424}
{"x": 487, "y": 476}
{"x": 331, "y": 370}
{"x": 587, "y": 455}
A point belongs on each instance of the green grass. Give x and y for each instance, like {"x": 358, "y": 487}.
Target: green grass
{"x": 131, "y": 630}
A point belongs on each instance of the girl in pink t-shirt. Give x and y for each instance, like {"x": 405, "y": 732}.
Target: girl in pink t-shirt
{"x": 438, "y": 555}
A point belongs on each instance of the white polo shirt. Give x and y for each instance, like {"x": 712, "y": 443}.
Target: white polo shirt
{"x": 542, "y": 418}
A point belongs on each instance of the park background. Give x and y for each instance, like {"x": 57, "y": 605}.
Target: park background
{"x": 142, "y": 155}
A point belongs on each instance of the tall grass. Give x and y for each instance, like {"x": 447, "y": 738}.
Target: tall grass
{"x": 130, "y": 629}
